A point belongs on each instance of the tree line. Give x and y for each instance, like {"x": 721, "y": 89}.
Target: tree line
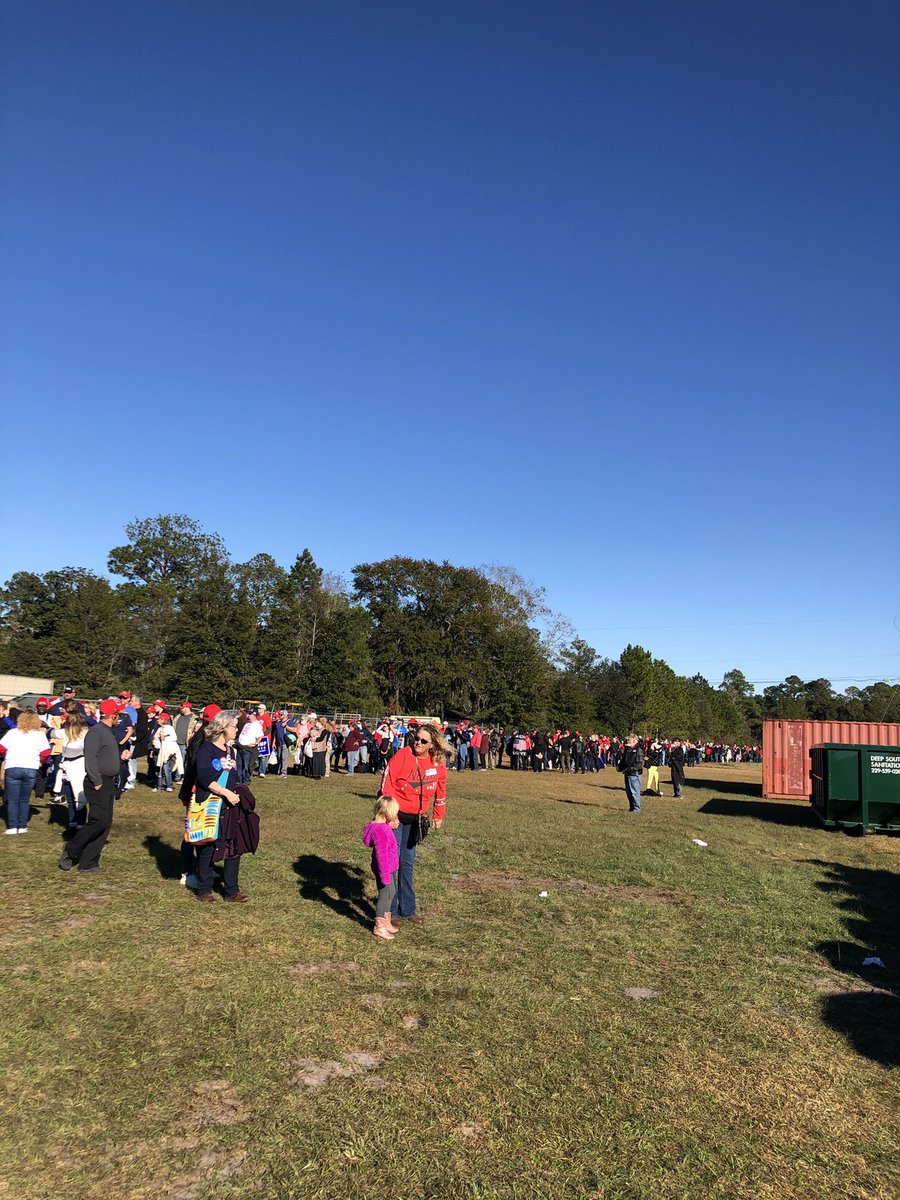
{"x": 404, "y": 635}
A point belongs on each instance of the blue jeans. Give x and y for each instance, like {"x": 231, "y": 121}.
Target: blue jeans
{"x": 77, "y": 816}
{"x": 633, "y": 792}
{"x": 245, "y": 763}
{"x": 352, "y": 760}
{"x": 404, "y": 901}
{"x": 462, "y": 754}
{"x": 164, "y": 775}
{"x": 17, "y": 793}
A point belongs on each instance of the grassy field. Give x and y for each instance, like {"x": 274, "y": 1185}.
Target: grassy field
{"x": 157, "y": 1049}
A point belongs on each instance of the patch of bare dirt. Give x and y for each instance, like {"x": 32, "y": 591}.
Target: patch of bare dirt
{"x": 313, "y": 1073}
{"x": 84, "y": 966}
{"x": 414, "y": 1021}
{"x": 216, "y": 1103}
{"x": 472, "y": 1129}
{"x": 78, "y": 923}
{"x": 839, "y": 985}
{"x": 583, "y": 887}
{"x": 640, "y": 993}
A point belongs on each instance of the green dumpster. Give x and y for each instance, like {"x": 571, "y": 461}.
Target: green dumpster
{"x": 856, "y": 786}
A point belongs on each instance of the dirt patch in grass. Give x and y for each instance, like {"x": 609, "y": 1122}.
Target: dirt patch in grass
{"x": 414, "y": 1021}
{"x": 217, "y": 1104}
{"x": 513, "y": 882}
{"x": 375, "y": 1000}
{"x": 313, "y": 1073}
{"x": 84, "y": 966}
{"x": 836, "y": 985}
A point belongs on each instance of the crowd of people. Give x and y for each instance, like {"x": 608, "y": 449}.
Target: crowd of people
{"x": 86, "y": 754}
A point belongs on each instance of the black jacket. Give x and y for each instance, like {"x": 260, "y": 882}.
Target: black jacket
{"x": 631, "y": 761}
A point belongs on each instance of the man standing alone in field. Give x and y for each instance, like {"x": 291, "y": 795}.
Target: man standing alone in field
{"x": 631, "y": 764}
{"x": 676, "y": 762}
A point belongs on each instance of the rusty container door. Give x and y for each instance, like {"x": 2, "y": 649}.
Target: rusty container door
{"x": 786, "y": 747}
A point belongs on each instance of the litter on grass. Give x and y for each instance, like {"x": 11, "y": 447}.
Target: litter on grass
{"x": 697, "y": 842}
{"x": 640, "y": 994}
{"x": 543, "y": 895}
{"x": 872, "y": 962}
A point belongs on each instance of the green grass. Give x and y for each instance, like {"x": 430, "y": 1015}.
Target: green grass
{"x": 158, "y": 1049}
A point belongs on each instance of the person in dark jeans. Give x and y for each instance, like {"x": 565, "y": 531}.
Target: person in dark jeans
{"x": 217, "y": 777}
{"x": 631, "y": 764}
{"x": 101, "y": 760}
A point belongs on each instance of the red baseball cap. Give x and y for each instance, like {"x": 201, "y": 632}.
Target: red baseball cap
{"x": 124, "y": 695}
{"x": 164, "y": 718}
{"x": 211, "y": 710}
{"x": 185, "y": 704}
{"x": 41, "y": 700}
{"x": 160, "y": 703}
{"x": 109, "y": 707}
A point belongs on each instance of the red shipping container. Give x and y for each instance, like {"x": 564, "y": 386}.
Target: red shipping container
{"x": 786, "y": 745}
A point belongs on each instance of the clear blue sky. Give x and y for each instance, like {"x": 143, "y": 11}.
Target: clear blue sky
{"x": 607, "y": 291}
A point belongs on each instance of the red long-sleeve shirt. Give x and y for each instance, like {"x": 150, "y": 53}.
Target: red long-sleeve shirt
{"x": 415, "y": 782}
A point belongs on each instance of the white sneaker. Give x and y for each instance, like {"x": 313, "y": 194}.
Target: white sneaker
{"x": 183, "y": 880}
{"x": 11, "y": 832}
{"x": 192, "y": 882}
{"x": 23, "y": 831}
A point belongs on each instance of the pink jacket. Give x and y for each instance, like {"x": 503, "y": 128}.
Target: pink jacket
{"x": 385, "y": 859}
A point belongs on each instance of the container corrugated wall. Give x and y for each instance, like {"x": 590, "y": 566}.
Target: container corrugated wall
{"x": 786, "y": 746}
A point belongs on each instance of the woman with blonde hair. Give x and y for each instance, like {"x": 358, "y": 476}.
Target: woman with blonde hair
{"x": 24, "y": 750}
{"x": 415, "y": 776}
{"x": 72, "y": 769}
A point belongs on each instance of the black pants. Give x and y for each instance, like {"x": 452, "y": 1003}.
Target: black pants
{"x": 206, "y": 875}
{"x": 85, "y": 847}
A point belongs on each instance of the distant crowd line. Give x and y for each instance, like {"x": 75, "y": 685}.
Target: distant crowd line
{"x": 281, "y": 742}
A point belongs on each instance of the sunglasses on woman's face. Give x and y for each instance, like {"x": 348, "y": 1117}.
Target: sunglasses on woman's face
{"x": 423, "y": 741}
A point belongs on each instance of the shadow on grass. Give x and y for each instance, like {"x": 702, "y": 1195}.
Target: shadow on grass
{"x": 867, "y": 1014}
{"x": 168, "y": 858}
{"x": 736, "y": 787}
{"x": 57, "y": 813}
{"x": 762, "y": 810}
{"x": 338, "y": 885}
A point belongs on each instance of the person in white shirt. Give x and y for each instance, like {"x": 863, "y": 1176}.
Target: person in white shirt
{"x": 25, "y": 750}
{"x": 248, "y": 754}
{"x": 168, "y": 753}
{"x": 72, "y": 769}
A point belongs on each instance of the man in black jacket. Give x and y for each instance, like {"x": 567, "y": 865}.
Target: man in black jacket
{"x": 676, "y": 762}
{"x": 102, "y": 756}
{"x": 631, "y": 764}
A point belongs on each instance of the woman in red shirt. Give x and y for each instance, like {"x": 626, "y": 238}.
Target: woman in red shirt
{"x": 414, "y": 777}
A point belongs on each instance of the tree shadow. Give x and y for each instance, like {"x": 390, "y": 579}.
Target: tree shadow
{"x": 338, "y": 885}
{"x": 168, "y": 858}
{"x": 736, "y": 787}
{"x": 762, "y": 810}
{"x": 867, "y": 1012}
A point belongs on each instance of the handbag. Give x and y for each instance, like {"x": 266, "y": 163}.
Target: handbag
{"x": 201, "y": 824}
